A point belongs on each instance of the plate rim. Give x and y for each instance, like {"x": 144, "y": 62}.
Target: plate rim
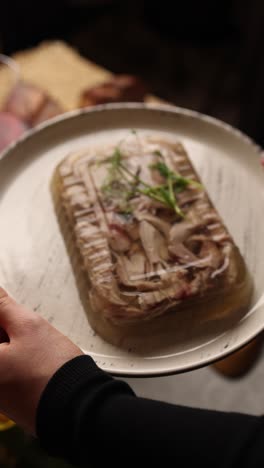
{"x": 167, "y": 108}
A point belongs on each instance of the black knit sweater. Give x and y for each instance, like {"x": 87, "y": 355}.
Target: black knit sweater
{"x": 90, "y": 419}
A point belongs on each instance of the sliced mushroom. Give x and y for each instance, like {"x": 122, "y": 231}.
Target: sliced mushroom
{"x": 158, "y": 223}
{"x": 180, "y": 232}
{"x": 129, "y": 270}
{"x": 119, "y": 241}
{"x": 145, "y": 204}
{"x": 153, "y": 242}
{"x": 133, "y": 272}
{"x": 182, "y": 254}
{"x": 211, "y": 254}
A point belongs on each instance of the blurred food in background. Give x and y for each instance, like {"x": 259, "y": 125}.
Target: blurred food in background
{"x": 121, "y": 88}
{"x": 31, "y": 104}
{"x": 25, "y": 105}
{"x": 5, "y": 423}
{"x": 11, "y": 128}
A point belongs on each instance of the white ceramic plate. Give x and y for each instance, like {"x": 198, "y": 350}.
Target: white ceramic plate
{"x": 34, "y": 265}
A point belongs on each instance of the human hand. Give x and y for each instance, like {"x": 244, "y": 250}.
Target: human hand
{"x": 31, "y": 351}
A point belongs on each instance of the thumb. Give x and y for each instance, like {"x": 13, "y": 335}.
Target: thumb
{"x": 10, "y": 312}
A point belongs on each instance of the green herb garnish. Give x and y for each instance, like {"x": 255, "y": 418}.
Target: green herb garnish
{"x": 123, "y": 184}
{"x": 167, "y": 173}
{"x": 158, "y": 153}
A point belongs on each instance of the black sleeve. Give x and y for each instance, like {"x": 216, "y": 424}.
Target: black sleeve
{"x": 89, "y": 419}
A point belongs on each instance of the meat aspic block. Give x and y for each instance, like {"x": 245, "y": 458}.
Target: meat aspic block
{"x": 150, "y": 243}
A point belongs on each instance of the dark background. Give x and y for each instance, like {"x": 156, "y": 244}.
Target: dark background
{"x": 204, "y": 55}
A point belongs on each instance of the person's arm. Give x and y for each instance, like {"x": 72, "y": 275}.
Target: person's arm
{"x": 85, "y": 416}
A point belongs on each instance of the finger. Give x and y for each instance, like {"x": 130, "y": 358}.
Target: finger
{"x": 10, "y": 312}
